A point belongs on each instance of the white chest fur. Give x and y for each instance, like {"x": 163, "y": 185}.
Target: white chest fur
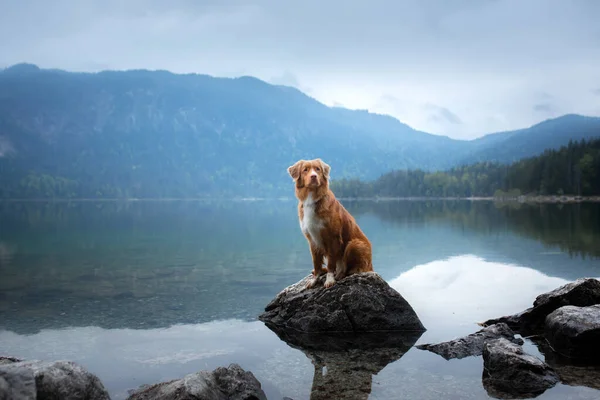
{"x": 311, "y": 223}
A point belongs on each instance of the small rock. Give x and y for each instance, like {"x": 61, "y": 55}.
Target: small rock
{"x": 471, "y": 345}
{"x": 232, "y": 383}
{"x": 8, "y": 360}
{"x": 57, "y": 380}
{"x": 509, "y": 372}
{"x": 582, "y": 293}
{"x": 574, "y": 332}
{"x": 358, "y": 303}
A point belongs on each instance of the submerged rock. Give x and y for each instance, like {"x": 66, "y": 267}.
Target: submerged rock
{"x": 52, "y": 380}
{"x": 582, "y": 293}
{"x": 510, "y": 373}
{"x": 574, "y": 332}
{"x": 471, "y": 345}
{"x": 223, "y": 383}
{"x": 358, "y": 303}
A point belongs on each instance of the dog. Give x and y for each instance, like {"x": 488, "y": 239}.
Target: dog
{"x": 333, "y": 235}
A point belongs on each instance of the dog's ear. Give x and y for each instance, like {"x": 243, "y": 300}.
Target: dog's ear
{"x": 294, "y": 170}
{"x": 326, "y": 168}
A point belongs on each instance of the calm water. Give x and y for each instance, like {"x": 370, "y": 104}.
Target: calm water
{"x": 142, "y": 292}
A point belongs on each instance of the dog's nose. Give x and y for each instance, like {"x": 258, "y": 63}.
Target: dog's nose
{"x": 313, "y": 176}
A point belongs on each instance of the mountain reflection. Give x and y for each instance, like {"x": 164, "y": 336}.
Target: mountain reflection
{"x": 155, "y": 264}
{"x": 572, "y": 228}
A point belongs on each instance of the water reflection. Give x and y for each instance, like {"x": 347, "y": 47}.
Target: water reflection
{"x": 349, "y": 374}
{"x": 124, "y": 359}
{"x": 458, "y": 292}
{"x": 7, "y": 252}
{"x": 141, "y": 292}
{"x": 571, "y": 372}
{"x": 106, "y": 263}
{"x": 344, "y": 364}
{"x": 570, "y": 228}
{"x": 449, "y": 295}
{"x": 499, "y": 389}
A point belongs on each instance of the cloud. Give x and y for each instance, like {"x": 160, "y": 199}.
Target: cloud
{"x": 442, "y": 114}
{"x": 286, "y": 79}
{"x": 543, "y": 108}
{"x": 486, "y": 61}
{"x": 596, "y": 92}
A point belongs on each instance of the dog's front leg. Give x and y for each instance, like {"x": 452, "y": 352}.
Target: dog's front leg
{"x": 331, "y": 266}
{"x": 317, "y": 257}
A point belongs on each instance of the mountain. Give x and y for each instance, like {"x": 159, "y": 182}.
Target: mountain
{"x": 146, "y": 133}
{"x": 508, "y": 147}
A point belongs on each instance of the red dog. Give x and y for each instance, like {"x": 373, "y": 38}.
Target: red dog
{"x": 331, "y": 231}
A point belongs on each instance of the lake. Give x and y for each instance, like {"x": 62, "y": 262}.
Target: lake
{"x": 147, "y": 291}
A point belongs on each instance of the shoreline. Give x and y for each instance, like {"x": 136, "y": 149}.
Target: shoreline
{"x": 504, "y": 199}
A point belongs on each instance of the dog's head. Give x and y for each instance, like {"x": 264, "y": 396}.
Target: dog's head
{"x": 310, "y": 173}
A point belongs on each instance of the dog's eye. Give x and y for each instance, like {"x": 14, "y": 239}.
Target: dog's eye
{"x": 318, "y": 169}
{"x": 305, "y": 169}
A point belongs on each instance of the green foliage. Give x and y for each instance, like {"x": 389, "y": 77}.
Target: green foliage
{"x": 571, "y": 170}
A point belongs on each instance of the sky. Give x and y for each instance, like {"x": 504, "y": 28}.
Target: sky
{"x": 461, "y": 68}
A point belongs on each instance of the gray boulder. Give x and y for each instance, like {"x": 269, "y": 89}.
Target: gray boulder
{"x": 471, "y": 345}
{"x": 582, "y": 293}
{"x": 17, "y": 384}
{"x": 358, "y": 303}
{"x": 574, "y": 332}
{"x": 231, "y": 383}
{"x": 63, "y": 380}
{"x": 510, "y": 373}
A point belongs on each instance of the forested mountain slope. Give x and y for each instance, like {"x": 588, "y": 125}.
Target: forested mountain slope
{"x": 157, "y": 134}
{"x": 573, "y": 169}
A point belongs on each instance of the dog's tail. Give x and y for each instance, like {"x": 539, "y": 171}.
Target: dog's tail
{"x": 357, "y": 257}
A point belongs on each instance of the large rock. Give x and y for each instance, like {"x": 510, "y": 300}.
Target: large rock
{"x": 574, "y": 332}
{"x": 509, "y": 372}
{"x": 63, "y": 380}
{"x": 358, "y": 303}
{"x": 17, "y": 384}
{"x": 582, "y": 293}
{"x": 471, "y": 345}
{"x": 231, "y": 383}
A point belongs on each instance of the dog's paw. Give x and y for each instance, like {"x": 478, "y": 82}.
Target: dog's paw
{"x": 330, "y": 281}
{"x": 311, "y": 282}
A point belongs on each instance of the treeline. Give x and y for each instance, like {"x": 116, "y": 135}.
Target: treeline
{"x": 571, "y": 170}
{"x": 571, "y": 228}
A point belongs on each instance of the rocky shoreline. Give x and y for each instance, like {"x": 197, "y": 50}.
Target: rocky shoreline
{"x": 353, "y": 330}
{"x": 565, "y": 325}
